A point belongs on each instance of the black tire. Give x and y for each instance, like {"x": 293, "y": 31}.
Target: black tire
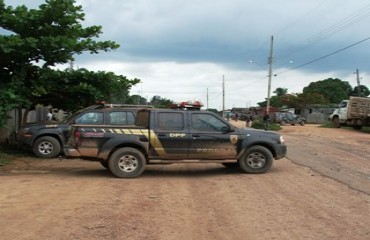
{"x": 336, "y": 122}
{"x": 256, "y": 159}
{"x": 46, "y": 147}
{"x": 283, "y": 123}
{"x": 104, "y": 164}
{"x": 302, "y": 123}
{"x": 231, "y": 165}
{"x": 357, "y": 127}
{"x": 127, "y": 163}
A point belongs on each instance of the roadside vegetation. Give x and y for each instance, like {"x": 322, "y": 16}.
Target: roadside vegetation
{"x": 328, "y": 124}
{"x": 259, "y": 124}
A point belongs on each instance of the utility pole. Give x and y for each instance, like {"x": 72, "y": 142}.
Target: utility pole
{"x": 207, "y": 98}
{"x": 71, "y": 65}
{"x": 358, "y": 83}
{"x": 223, "y": 95}
{"x": 270, "y": 60}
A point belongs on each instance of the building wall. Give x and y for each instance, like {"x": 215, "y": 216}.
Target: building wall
{"x": 317, "y": 115}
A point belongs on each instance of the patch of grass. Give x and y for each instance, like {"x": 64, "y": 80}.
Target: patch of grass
{"x": 366, "y": 129}
{"x": 9, "y": 152}
{"x": 261, "y": 125}
{"x": 330, "y": 125}
{"x": 327, "y": 124}
{"x": 4, "y": 159}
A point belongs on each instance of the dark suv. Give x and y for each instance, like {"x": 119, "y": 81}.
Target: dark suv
{"x": 284, "y": 118}
{"x": 46, "y": 139}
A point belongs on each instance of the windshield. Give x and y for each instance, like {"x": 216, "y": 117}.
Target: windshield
{"x": 71, "y": 117}
{"x": 74, "y": 115}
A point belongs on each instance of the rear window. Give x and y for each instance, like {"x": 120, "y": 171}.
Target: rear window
{"x": 171, "y": 121}
{"x": 122, "y": 118}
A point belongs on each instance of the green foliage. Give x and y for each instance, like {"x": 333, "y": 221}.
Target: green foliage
{"x": 136, "y": 99}
{"x": 327, "y": 124}
{"x": 9, "y": 152}
{"x": 281, "y": 91}
{"x": 160, "y": 102}
{"x": 302, "y": 100}
{"x": 37, "y": 39}
{"x": 333, "y": 90}
{"x": 259, "y": 124}
{"x": 73, "y": 90}
{"x": 360, "y": 91}
{"x": 321, "y": 92}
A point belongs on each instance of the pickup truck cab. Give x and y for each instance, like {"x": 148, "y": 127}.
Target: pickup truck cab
{"x": 46, "y": 139}
{"x": 174, "y": 136}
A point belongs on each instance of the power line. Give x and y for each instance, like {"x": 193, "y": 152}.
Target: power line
{"x": 346, "y": 22}
{"x": 325, "y": 56}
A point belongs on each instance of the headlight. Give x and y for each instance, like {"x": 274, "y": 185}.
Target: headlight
{"x": 281, "y": 140}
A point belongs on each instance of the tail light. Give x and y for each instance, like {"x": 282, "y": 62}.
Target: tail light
{"x": 77, "y": 137}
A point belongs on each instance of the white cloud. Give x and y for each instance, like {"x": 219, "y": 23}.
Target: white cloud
{"x": 189, "y": 81}
{"x": 179, "y": 48}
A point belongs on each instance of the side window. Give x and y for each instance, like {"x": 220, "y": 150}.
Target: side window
{"x": 206, "y": 122}
{"x": 121, "y": 118}
{"x": 170, "y": 121}
{"x": 343, "y": 105}
{"x": 90, "y": 118}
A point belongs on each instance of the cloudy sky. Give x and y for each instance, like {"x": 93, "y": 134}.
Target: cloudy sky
{"x": 181, "y": 49}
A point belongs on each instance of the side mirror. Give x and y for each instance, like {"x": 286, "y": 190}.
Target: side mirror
{"x": 226, "y": 129}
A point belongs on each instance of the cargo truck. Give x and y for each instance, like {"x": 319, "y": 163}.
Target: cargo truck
{"x": 354, "y": 112}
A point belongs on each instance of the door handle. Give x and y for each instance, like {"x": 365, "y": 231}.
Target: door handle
{"x": 196, "y": 135}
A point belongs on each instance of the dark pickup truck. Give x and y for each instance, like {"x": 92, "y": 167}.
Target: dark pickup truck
{"x": 46, "y": 139}
{"x": 174, "y": 136}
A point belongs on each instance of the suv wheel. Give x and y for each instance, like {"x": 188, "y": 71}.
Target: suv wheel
{"x": 46, "y": 147}
{"x": 127, "y": 163}
{"x": 256, "y": 159}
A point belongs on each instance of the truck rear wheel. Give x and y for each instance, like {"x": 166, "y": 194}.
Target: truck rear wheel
{"x": 127, "y": 163}
{"x": 46, "y": 147}
{"x": 256, "y": 159}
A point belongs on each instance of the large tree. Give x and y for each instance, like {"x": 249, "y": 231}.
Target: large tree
{"x": 73, "y": 90}
{"x": 302, "y": 100}
{"x": 333, "y": 90}
{"x": 361, "y": 91}
{"x": 35, "y": 40}
{"x": 159, "y": 102}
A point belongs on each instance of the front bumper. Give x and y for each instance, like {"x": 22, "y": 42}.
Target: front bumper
{"x": 281, "y": 152}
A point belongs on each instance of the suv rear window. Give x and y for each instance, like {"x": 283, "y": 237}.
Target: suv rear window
{"x": 122, "y": 118}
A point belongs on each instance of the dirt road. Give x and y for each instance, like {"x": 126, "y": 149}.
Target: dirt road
{"x": 320, "y": 191}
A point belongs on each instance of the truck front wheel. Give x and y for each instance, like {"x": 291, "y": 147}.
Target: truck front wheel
{"x": 46, "y": 147}
{"x": 127, "y": 163}
{"x": 256, "y": 159}
{"x": 336, "y": 122}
